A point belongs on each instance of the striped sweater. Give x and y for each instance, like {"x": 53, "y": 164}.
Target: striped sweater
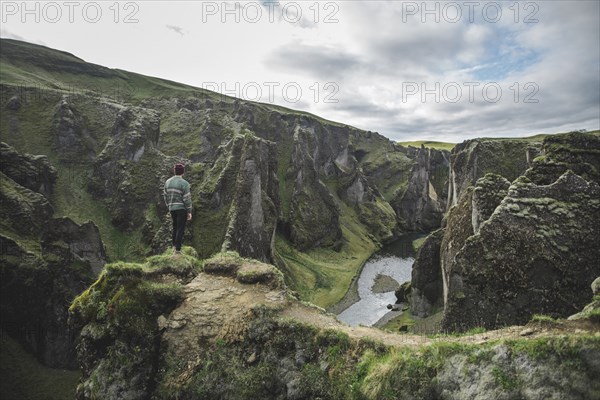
{"x": 177, "y": 194}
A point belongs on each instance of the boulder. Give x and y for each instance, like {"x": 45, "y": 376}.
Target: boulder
{"x": 403, "y": 293}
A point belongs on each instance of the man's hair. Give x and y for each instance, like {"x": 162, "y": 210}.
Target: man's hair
{"x": 179, "y": 169}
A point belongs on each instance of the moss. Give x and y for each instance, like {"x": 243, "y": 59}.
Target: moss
{"x": 430, "y": 144}
{"x": 403, "y": 320}
{"x": 566, "y": 348}
{"x": 124, "y": 300}
{"x": 417, "y": 243}
{"x": 542, "y": 318}
{"x": 407, "y": 371}
{"x": 507, "y": 380}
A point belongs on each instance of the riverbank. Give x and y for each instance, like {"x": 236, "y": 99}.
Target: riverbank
{"x": 371, "y": 291}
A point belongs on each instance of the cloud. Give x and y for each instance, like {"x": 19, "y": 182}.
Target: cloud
{"x": 314, "y": 60}
{"x": 175, "y": 29}
{"x": 4, "y": 33}
{"x": 555, "y": 62}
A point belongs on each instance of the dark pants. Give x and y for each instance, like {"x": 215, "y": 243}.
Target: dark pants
{"x": 179, "y": 218}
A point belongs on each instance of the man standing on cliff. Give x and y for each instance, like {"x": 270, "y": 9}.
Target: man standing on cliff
{"x": 179, "y": 200}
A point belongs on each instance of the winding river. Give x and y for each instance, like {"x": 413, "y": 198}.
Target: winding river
{"x": 394, "y": 260}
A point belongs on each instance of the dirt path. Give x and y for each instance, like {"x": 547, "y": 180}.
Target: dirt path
{"x": 219, "y": 308}
{"x": 315, "y": 317}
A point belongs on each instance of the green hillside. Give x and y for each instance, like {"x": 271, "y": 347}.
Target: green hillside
{"x": 330, "y": 192}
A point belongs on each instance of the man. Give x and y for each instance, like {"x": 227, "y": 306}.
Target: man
{"x": 179, "y": 200}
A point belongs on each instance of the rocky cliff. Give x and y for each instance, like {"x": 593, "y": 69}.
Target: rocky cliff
{"x": 267, "y": 182}
{"x": 472, "y": 159}
{"x": 273, "y": 184}
{"x": 228, "y": 328}
{"x": 509, "y": 251}
{"x": 46, "y": 261}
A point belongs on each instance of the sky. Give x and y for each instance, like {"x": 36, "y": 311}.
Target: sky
{"x": 410, "y": 70}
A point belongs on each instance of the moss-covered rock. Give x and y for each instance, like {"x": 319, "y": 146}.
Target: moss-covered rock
{"x": 33, "y": 172}
{"x": 216, "y": 337}
{"x": 575, "y": 151}
{"x": 517, "y": 244}
{"x": 591, "y": 311}
{"x": 487, "y": 195}
{"x": 37, "y": 288}
{"x": 314, "y": 215}
{"x": 253, "y": 213}
{"x": 130, "y": 170}
{"x": 23, "y": 210}
{"x": 117, "y": 319}
{"x": 474, "y": 158}
{"x": 536, "y": 254}
{"x": 71, "y": 133}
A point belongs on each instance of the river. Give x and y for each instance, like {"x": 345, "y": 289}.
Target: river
{"x": 394, "y": 260}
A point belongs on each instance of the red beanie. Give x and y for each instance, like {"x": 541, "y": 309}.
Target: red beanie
{"x": 179, "y": 169}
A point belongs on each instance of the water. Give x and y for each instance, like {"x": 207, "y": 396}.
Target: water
{"x": 394, "y": 260}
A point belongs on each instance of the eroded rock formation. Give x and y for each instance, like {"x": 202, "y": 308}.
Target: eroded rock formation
{"x": 510, "y": 252}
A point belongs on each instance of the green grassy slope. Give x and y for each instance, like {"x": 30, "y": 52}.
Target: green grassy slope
{"x": 429, "y": 144}
{"x": 40, "y": 76}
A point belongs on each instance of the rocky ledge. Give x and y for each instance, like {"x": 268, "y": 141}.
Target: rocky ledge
{"x": 176, "y": 327}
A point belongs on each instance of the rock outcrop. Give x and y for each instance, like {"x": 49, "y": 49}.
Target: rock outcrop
{"x": 45, "y": 261}
{"x": 72, "y": 138}
{"x": 235, "y": 331}
{"x": 33, "y": 172}
{"x": 510, "y": 252}
{"x": 23, "y": 210}
{"x": 421, "y": 207}
{"x": 253, "y": 213}
{"x": 537, "y": 254}
{"x": 472, "y": 159}
{"x": 427, "y": 289}
{"x": 129, "y": 171}
{"x": 37, "y": 288}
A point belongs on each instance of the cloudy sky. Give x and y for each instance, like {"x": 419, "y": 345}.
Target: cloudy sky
{"x": 435, "y": 70}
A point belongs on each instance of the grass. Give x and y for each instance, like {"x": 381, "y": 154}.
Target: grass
{"x": 417, "y": 243}
{"x": 70, "y": 197}
{"x": 322, "y": 276}
{"x": 23, "y": 377}
{"x": 429, "y": 144}
{"x": 404, "y": 319}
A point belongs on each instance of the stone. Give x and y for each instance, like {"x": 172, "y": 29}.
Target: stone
{"x": 403, "y": 293}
